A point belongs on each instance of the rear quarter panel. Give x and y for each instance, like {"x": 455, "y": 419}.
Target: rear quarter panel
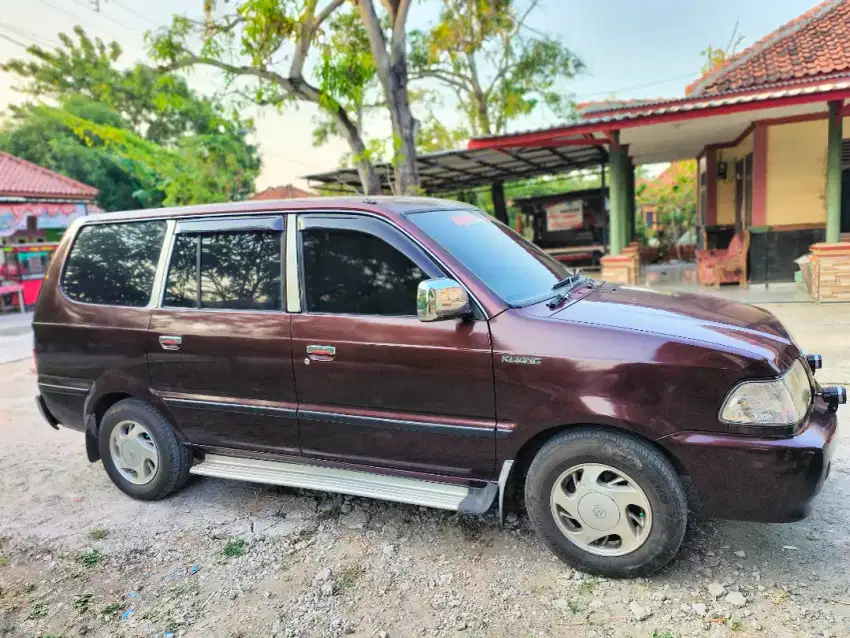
{"x": 97, "y": 348}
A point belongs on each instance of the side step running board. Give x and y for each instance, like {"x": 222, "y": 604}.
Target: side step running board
{"x": 444, "y": 496}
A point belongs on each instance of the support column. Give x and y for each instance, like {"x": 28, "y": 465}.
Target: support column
{"x": 615, "y": 222}
{"x": 500, "y": 210}
{"x": 833, "y": 174}
{"x": 619, "y": 266}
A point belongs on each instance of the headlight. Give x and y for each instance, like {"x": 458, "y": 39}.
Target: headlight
{"x": 782, "y": 401}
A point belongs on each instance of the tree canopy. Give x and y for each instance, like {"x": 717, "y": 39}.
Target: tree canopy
{"x": 262, "y": 48}
{"x": 142, "y": 137}
{"x": 497, "y": 68}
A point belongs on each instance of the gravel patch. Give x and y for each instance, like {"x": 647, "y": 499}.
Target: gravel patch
{"x": 232, "y": 559}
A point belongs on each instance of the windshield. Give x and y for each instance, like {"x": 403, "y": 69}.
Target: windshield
{"x": 512, "y": 267}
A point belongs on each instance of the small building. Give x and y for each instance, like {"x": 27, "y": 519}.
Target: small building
{"x": 36, "y": 206}
{"x": 283, "y": 192}
{"x": 767, "y": 131}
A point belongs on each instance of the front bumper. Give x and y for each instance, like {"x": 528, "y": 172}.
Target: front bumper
{"x": 749, "y": 478}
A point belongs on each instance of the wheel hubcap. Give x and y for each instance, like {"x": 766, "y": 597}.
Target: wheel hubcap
{"x": 134, "y": 452}
{"x": 601, "y": 509}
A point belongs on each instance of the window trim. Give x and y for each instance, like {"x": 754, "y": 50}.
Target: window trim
{"x": 231, "y": 224}
{"x": 337, "y": 221}
{"x": 276, "y": 223}
{"x": 166, "y": 238}
{"x": 290, "y": 218}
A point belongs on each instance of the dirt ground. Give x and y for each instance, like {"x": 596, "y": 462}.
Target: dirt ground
{"x": 222, "y": 558}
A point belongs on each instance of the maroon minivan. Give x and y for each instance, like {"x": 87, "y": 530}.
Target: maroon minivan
{"x": 416, "y": 350}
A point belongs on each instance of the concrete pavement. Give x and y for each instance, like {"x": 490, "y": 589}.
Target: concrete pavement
{"x": 15, "y": 336}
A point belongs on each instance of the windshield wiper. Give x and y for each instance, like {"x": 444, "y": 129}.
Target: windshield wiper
{"x": 570, "y": 280}
{"x": 565, "y": 287}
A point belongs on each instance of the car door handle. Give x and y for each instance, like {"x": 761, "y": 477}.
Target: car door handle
{"x": 321, "y": 353}
{"x": 170, "y": 342}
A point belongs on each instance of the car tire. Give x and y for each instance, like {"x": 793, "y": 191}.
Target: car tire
{"x": 134, "y": 428}
{"x": 638, "y": 474}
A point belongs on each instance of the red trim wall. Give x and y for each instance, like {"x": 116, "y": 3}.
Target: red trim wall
{"x": 534, "y": 138}
{"x": 760, "y": 174}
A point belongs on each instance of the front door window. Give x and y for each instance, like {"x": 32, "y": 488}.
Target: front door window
{"x": 352, "y": 272}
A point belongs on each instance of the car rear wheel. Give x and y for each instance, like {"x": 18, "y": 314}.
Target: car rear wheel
{"x": 141, "y": 452}
{"x": 606, "y": 503}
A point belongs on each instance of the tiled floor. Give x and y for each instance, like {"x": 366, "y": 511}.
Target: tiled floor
{"x": 758, "y": 294}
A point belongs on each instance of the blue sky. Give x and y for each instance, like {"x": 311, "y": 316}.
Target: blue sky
{"x": 632, "y": 48}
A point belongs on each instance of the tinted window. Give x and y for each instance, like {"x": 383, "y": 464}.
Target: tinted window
{"x": 512, "y": 267}
{"x": 114, "y": 264}
{"x": 181, "y": 287}
{"x": 239, "y": 271}
{"x": 350, "y": 272}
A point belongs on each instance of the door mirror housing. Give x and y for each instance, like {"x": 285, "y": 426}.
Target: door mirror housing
{"x": 442, "y": 298}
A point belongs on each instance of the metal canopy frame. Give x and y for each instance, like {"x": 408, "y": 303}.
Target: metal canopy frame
{"x": 450, "y": 171}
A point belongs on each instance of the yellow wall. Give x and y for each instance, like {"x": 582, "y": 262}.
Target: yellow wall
{"x": 726, "y": 188}
{"x": 796, "y": 173}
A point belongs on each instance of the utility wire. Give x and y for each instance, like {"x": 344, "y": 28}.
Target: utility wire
{"x": 78, "y": 19}
{"x": 14, "y": 41}
{"x": 639, "y": 86}
{"x": 107, "y": 16}
{"x": 23, "y": 33}
{"x": 135, "y": 12}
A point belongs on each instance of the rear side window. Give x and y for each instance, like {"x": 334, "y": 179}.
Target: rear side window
{"x": 349, "y": 272}
{"x": 238, "y": 271}
{"x": 114, "y": 264}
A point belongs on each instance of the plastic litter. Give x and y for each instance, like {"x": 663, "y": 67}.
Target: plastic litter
{"x": 195, "y": 568}
{"x": 127, "y": 614}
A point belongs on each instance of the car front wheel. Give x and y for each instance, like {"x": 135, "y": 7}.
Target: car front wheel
{"x": 606, "y": 503}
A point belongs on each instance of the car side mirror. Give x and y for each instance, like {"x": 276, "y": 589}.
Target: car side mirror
{"x": 442, "y": 298}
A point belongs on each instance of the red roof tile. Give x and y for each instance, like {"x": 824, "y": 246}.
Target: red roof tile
{"x": 19, "y": 178}
{"x": 814, "y": 44}
{"x": 283, "y": 192}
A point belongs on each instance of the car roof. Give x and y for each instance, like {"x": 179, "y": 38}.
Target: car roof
{"x": 383, "y": 205}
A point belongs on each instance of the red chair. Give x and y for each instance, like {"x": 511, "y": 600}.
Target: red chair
{"x": 728, "y": 266}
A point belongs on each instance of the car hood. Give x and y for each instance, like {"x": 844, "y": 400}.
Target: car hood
{"x": 707, "y": 319}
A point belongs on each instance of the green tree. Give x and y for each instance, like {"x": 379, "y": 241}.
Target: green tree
{"x": 38, "y": 137}
{"x": 159, "y": 106}
{"x": 198, "y": 169}
{"x": 497, "y": 69}
{"x": 142, "y": 103}
{"x": 266, "y": 45}
{"x": 263, "y": 46}
{"x": 674, "y": 198}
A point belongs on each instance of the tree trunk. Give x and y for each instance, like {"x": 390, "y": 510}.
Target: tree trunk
{"x": 369, "y": 179}
{"x": 404, "y": 132}
{"x": 391, "y": 66}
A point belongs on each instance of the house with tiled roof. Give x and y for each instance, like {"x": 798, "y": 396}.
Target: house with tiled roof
{"x": 36, "y": 203}
{"x": 283, "y": 192}
{"x": 767, "y": 129}
{"x": 36, "y": 206}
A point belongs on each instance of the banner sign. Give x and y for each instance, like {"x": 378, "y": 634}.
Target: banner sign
{"x": 565, "y": 215}
{"x": 13, "y": 217}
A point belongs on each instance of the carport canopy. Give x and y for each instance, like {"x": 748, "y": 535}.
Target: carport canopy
{"x": 450, "y": 171}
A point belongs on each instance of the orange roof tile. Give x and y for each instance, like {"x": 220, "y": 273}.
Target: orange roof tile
{"x": 20, "y": 178}
{"x": 814, "y": 44}
{"x": 283, "y": 192}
